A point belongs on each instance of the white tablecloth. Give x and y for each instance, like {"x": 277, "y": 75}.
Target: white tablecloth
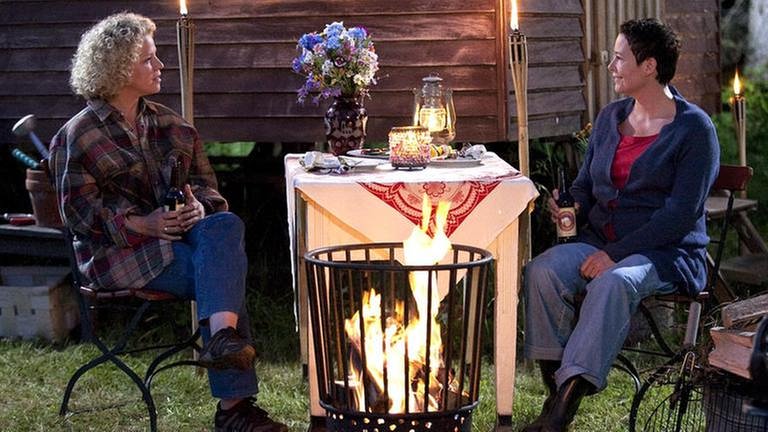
{"x": 382, "y": 204}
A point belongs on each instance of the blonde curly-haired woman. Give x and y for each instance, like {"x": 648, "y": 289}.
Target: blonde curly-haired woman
{"x": 112, "y": 165}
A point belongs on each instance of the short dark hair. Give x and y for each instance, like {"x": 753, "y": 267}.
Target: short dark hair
{"x": 650, "y": 38}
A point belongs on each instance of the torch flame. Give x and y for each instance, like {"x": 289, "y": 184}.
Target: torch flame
{"x": 387, "y": 345}
{"x": 736, "y": 84}
{"x": 513, "y": 23}
{"x": 183, "y": 7}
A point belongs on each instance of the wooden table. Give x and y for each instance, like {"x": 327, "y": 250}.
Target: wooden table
{"x": 383, "y": 204}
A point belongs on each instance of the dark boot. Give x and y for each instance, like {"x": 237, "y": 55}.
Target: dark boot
{"x": 548, "y": 369}
{"x": 566, "y": 404}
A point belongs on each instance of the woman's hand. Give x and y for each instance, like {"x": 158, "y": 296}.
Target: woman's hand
{"x": 192, "y": 212}
{"x": 552, "y": 206}
{"x": 554, "y": 209}
{"x": 596, "y": 264}
{"x": 159, "y": 223}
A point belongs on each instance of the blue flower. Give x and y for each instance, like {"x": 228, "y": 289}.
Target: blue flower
{"x": 333, "y": 43}
{"x": 358, "y": 33}
{"x": 334, "y": 29}
{"x": 309, "y": 40}
{"x": 335, "y": 62}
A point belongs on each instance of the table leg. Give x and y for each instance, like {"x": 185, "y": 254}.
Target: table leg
{"x": 301, "y": 299}
{"x": 505, "y": 249}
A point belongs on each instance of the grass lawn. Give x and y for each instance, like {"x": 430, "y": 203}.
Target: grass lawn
{"x": 33, "y": 377}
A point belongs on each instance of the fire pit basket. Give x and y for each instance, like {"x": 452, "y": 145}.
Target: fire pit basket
{"x": 397, "y": 347}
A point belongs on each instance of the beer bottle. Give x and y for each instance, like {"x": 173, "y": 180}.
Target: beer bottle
{"x": 566, "y": 219}
{"x": 174, "y": 197}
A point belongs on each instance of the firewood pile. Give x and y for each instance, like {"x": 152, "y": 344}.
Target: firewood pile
{"x": 739, "y": 345}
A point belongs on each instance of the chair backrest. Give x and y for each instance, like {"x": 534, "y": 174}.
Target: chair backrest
{"x": 732, "y": 178}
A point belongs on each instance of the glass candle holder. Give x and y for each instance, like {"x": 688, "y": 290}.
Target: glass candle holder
{"x": 409, "y": 146}
{"x": 433, "y": 109}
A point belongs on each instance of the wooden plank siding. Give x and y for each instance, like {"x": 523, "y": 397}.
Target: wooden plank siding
{"x": 698, "y": 74}
{"x": 556, "y": 102}
{"x": 244, "y": 88}
{"x": 695, "y": 21}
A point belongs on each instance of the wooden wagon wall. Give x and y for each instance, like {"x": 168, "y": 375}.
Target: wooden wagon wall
{"x": 697, "y": 25}
{"x": 698, "y": 77}
{"x": 556, "y": 102}
{"x": 244, "y": 88}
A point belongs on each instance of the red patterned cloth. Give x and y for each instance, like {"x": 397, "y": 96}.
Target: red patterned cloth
{"x": 407, "y": 199}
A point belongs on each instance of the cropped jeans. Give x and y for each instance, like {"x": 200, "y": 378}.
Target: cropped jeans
{"x": 590, "y": 346}
{"x": 209, "y": 266}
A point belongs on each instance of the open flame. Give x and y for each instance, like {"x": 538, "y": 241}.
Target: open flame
{"x": 513, "y": 18}
{"x": 736, "y": 84}
{"x": 386, "y": 348}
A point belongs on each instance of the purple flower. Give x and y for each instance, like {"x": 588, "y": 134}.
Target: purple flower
{"x": 334, "y": 62}
{"x": 340, "y": 61}
{"x": 296, "y": 65}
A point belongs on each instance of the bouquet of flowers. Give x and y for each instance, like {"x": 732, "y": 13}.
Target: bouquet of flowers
{"x": 336, "y": 62}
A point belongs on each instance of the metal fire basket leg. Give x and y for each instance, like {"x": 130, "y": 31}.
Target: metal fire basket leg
{"x": 397, "y": 347}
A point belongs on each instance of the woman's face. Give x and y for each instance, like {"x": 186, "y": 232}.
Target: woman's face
{"x": 145, "y": 79}
{"x": 628, "y": 75}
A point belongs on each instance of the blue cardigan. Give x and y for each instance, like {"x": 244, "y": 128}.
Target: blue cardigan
{"x": 660, "y": 211}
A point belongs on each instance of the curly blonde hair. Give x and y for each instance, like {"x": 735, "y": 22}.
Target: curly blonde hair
{"x": 104, "y": 60}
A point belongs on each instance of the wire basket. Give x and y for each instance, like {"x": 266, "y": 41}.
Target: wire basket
{"x": 397, "y": 347}
{"x": 724, "y": 401}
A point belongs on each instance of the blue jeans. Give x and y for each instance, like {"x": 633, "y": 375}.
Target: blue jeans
{"x": 209, "y": 266}
{"x": 589, "y": 347}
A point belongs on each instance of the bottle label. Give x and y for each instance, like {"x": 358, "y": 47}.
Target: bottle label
{"x": 173, "y": 207}
{"x": 566, "y": 222}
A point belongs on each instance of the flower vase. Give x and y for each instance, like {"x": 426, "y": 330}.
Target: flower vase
{"x": 345, "y": 123}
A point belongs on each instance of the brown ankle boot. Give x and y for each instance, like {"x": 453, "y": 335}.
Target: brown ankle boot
{"x": 566, "y": 404}
{"x": 548, "y": 369}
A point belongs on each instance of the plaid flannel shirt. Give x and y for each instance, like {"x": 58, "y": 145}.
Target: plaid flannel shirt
{"x": 105, "y": 170}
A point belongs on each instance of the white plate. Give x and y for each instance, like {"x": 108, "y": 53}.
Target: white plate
{"x": 362, "y": 163}
{"x": 363, "y": 153}
{"x": 455, "y": 163}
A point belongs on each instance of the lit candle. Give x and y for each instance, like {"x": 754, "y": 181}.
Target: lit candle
{"x": 513, "y": 23}
{"x": 518, "y": 63}
{"x": 409, "y": 146}
{"x": 516, "y": 37}
{"x": 740, "y": 118}
{"x": 185, "y": 39}
{"x": 432, "y": 118}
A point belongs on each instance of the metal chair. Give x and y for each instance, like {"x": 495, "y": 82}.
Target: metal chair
{"x": 139, "y": 301}
{"x": 671, "y": 396}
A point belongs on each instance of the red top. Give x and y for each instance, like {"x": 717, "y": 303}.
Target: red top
{"x": 630, "y": 148}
